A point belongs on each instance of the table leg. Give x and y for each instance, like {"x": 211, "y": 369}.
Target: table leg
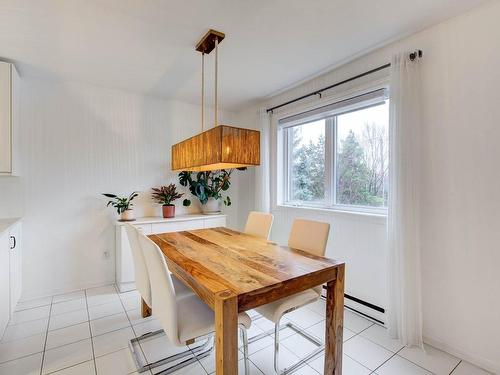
{"x": 226, "y": 333}
{"x": 145, "y": 309}
{"x": 334, "y": 323}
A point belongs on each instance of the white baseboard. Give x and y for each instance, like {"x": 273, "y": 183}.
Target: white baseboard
{"x": 473, "y": 359}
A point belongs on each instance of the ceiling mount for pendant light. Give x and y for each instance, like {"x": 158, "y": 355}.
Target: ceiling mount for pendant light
{"x": 223, "y": 146}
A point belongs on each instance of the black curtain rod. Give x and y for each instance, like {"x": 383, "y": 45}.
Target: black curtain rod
{"x": 413, "y": 56}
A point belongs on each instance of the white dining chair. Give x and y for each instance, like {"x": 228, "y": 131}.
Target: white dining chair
{"x": 143, "y": 286}
{"x": 140, "y": 271}
{"x": 312, "y": 237}
{"x": 259, "y": 224}
{"x": 184, "y": 320}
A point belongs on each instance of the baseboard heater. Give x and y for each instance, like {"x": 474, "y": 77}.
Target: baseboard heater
{"x": 366, "y": 309}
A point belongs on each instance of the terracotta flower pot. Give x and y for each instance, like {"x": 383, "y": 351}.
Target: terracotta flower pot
{"x": 168, "y": 211}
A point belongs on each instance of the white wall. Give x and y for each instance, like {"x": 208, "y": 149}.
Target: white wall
{"x": 11, "y": 189}
{"x": 79, "y": 141}
{"x": 461, "y": 209}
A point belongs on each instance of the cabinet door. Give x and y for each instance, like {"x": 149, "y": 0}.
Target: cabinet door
{"x": 15, "y": 257}
{"x": 215, "y": 222}
{"x": 176, "y": 226}
{"x": 144, "y": 228}
{"x": 5, "y": 119}
{"x": 4, "y": 282}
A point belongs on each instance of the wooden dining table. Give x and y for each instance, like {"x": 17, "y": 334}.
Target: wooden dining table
{"x": 233, "y": 272}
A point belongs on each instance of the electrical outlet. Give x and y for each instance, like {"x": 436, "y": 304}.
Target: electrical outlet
{"x": 106, "y": 254}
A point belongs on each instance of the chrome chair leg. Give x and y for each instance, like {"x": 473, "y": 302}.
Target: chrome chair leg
{"x": 196, "y": 357}
{"x": 277, "y": 347}
{"x": 198, "y": 352}
{"x": 244, "y": 338}
{"x": 276, "y": 331}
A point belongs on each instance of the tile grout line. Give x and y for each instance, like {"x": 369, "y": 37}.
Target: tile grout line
{"x": 75, "y": 324}
{"x": 67, "y": 367}
{"x": 90, "y": 330}
{"x": 21, "y": 357}
{"x": 2, "y": 341}
{"x": 46, "y": 336}
{"x": 34, "y": 307}
{"x": 394, "y": 354}
{"x": 359, "y": 363}
{"x": 358, "y": 334}
{"x": 26, "y": 321}
{"x": 68, "y": 326}
{"x": 416, "y": 364}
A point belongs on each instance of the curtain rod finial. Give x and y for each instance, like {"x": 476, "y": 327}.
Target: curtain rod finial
{"x": 417, "y": 54}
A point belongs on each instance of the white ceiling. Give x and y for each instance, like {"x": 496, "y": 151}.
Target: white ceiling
{"x": 147, "y": 46}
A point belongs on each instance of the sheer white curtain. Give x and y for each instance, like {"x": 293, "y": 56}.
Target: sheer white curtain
{"x": 405, "y": 306}
{"x": 262, "y": 172}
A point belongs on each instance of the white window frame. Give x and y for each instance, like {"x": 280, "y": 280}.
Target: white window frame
{"x": 330, "y": 116}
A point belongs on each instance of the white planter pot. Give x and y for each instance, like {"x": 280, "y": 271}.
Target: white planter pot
{"x": 127, "y": 215}
{"x": 211, "y": 207}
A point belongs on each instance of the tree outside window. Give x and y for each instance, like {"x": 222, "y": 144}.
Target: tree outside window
{"x": 360, "y": 153}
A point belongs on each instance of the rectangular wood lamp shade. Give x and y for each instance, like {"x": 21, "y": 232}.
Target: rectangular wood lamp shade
{"x": 222, "y": 147}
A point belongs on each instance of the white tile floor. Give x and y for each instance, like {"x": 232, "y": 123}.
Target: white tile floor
{"x": 87, "y": 332}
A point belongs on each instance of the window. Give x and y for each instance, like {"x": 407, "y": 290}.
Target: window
{"x": 307, "y": 162}
{"x": 338, "y": 156}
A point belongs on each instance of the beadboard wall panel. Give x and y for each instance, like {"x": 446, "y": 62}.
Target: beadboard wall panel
{"x": 77, "y": 142}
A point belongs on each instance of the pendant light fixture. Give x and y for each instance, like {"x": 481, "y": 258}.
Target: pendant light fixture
{"x": 223, "y": 146}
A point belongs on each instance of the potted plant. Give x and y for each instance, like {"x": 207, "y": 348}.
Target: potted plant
{"x": 208, "y": 187}
{"x": 165, "y": 195}
{"x": 122, "y": 205}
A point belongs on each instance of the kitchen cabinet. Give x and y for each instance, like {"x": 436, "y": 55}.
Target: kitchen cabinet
{"x": 4, "y": 281}
{"x": 15, "y": 268}
{"x": 125, "y": 278}
{"x": 9, "y": 120}
{"x": 10, "y": 269}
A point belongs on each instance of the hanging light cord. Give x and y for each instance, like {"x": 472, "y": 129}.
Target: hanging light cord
{"x": 216, "y": 62}
{"x": 202, "y": 90}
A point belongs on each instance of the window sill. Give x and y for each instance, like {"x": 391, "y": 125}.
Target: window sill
{"x": 373, "y": 215}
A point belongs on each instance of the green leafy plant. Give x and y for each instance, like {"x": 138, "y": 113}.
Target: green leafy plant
{"x": 205, "y": 185}
{"x": 165, "y": 195}
{"x": 121, "y": 203}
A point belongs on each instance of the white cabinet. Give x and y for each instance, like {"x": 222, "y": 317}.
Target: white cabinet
{"x": 15, "y": 260}
{"x": 125, "y": 279}
{"x": 10, "y": 269}
{"x": 9, "y": 120}
{"x": 177, "y": 226}
{"x": 214, "y": 222}
{"x": 4, "y": 281}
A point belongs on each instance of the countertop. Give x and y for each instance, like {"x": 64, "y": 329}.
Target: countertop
{"x": 159, "y": 219}
{"x": 5, "y": 224}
